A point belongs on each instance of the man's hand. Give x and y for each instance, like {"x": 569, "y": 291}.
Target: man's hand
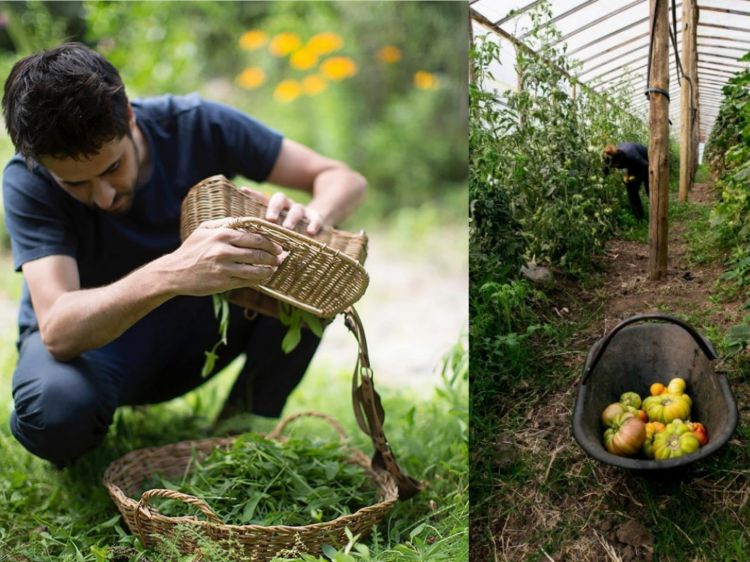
{"x": 295, "y": 212}
{"x": 215, "y": 258}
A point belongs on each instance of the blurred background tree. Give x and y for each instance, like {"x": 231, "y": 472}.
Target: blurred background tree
{"x": 379, "y": 85}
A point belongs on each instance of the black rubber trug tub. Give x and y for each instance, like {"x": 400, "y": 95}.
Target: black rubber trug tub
{"x": 638, "y": 353}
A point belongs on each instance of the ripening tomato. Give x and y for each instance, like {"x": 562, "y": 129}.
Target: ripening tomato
{"x": 675, "y": 441}
{"x": 611, "y": 412}
{"x": 697, "y": 429}
{"x": 652, "y": 428}
{"x": 631, "y": 399}
{"x": 626, "y": 435}
{"x": 667, "y": 407}
{"x": 676, "y": 386}
{"x": 657, "y": 388}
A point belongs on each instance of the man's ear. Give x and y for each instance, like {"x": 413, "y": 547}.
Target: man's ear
{"x": 131, "y": 117}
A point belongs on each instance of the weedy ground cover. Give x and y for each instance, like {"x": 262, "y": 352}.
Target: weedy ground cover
{"x": 46, "y": 515}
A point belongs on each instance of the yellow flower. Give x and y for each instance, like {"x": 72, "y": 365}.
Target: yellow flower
{"x": 251, "y": 78}
{"x": 287, "y": 90}
{"x": 389, "y": 54}
{"x": 338, "y": 68}
{"x": 284, "y": 43}
{"x": 313, "y": 85}
{"x": 425, "y": 80}
{"x": 253, "y": 39}
{"x": 304, "y": 59}
{"x": 325, "y": 42}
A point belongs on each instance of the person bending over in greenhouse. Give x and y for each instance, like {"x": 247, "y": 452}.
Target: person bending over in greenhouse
{"x": 633, "y": 157}
{"x": 115, "y": 310}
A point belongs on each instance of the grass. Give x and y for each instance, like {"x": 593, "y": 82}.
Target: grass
{"x": 47, "y": 515}
{"x": 536, "y": 496}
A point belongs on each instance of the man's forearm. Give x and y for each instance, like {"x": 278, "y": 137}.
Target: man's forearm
{"x": 337, "y": 193}
{"x": 89, "y": 318}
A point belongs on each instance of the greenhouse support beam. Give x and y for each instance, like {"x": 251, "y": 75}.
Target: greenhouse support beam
{"x": 480, "y": 19}
{"x": 687, "y": 99}
{"x": 658, "y": 149}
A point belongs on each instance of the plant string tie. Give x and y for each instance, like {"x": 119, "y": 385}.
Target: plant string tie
{"x": 665, "y": 93}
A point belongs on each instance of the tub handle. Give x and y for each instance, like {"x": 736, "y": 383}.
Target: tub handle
{"x": 705, "y": 346}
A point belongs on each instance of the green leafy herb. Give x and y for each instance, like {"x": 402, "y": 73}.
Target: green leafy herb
{"x": 294, "y": 318}
{"x": 266, "y": 482}
{"x": 221, "y": 312}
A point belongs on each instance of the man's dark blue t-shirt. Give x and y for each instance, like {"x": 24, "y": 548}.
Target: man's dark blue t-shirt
{"x": 189, "y": 139}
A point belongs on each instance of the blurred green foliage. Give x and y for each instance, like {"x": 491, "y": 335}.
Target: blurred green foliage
{"x": 408, "y": 138}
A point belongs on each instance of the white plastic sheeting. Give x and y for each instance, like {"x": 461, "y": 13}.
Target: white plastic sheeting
{"x": 608, "y": 41}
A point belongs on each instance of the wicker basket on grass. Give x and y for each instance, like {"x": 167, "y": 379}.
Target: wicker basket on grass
{"x": 124, "y": 477}
{"x": 323, "y": 274}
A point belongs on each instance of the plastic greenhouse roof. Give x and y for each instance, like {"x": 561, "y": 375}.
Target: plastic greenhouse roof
{"x": 608, "y": 41}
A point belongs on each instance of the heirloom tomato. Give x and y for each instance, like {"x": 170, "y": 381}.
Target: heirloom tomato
{"x": 626, "y": 435}
{"x": 675, "y": 441}
{"x": 611, "y": 412}
{"x": 652, "y": 428}
{"x": 697, "y": 429}
{"x": 667, "y": 407}
{"x": 631, "y": 399}
{"x": 676, "y": 385}
{"x": 657, "y": 388}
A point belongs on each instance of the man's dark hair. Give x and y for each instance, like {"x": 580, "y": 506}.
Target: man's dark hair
{"x": 66, "y": 102}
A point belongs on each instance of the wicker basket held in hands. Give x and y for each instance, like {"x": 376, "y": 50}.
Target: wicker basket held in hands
{"x": 124, "y": 477}
{"x": 322, "y": 275}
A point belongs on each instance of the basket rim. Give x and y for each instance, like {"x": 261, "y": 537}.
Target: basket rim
{"x": 122, "y": 500}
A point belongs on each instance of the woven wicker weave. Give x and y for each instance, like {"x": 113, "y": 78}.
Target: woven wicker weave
{"x": 323, "y": 274}
{"x": 124, "y": 477}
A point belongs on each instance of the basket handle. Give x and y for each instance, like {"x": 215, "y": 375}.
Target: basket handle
{"x": 705, "y": 347}
{"x": 142, "y": 510}
{"x": 368, "y": 410}
{"x": 276, "y": 432}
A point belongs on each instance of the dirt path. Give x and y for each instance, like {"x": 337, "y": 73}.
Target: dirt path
{"x": 686, "y": 287}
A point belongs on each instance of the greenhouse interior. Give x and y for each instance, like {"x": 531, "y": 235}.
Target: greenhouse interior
{"x": 610, "y": 279}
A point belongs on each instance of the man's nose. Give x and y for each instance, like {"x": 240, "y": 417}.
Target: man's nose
{"x": 103, "y": 194}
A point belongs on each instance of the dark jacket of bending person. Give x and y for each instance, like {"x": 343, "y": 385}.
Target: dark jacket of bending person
{"x": 633, "y": 158}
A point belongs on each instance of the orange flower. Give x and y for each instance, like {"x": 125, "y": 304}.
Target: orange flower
{"x": 253, "y": 39}
{"x": 338, "y": 68}
{"x": 425, "y": 80}
{"x": 325, "y": 42}
{"x": 287, "y": 90}
{"x": 313, "y": 85}
{"x": 304, "y": 59}
{"x": 389, "y": 54}
{"x": 251, "y": 78}
{"x": 284, "y": 43}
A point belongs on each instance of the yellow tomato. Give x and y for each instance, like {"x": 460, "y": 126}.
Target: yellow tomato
{"x": 657, "y": 388}
{"x": 676, "y": 386}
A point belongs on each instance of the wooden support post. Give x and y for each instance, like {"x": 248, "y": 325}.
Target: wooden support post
{"x": 686, "y": 99}
{"x": 658, "y": 149}
{"x": 574, "y": 90}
